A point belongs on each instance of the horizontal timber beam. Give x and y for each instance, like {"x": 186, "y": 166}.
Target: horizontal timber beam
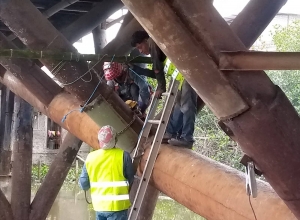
{"x": 210, "y": 189}
{"x": 70, "y": 56}
{"x": 256, "y": 60}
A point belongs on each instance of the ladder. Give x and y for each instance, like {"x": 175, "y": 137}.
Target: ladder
{"x": 162, "y": 124}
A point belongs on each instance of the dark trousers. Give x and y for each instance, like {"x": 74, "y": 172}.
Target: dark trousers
{"x": 182, "y": 119}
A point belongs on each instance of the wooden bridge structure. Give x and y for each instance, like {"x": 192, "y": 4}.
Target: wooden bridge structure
{"x": 251, "y": 109}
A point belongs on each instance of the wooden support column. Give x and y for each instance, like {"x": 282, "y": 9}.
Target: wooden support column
{"x": 55, "y": 177}
{"x": 120, "y": 45}
{"x": 22, "y": 159}
{"x": 7, "y": 107}
{"x": 99, "y": 35}
{"x": 254, "y": 18}
{"x": 268, "y": 130}
{"x": 5, "y": 208}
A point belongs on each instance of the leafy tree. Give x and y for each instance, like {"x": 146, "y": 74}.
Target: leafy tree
{"x": 287, "y": 39}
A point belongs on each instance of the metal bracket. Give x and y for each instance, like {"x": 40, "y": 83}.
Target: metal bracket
{"x": 251, "y": 185}
{"x": 245, "y": 159}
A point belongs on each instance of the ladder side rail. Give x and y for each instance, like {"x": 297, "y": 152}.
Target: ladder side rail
{"x": 154, "y": 152}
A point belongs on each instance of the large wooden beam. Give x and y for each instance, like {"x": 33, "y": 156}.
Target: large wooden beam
{"x": 55, "y": 177}
{"x": 254, "y": 18}
{"x": 7, "y": 107}
{"x": 22, "y": 134}
{"x": 210, "y": 189}
{"x": 264, "y": 130}
{"x": 99, "y": 36}
{"x": 5, "y": 208}
{"x": 256, "y": 60}
{"x": 120, "y": 45}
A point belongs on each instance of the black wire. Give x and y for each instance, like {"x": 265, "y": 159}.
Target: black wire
{"x": 86, "y": 198}
{"x": 252, "y": 208}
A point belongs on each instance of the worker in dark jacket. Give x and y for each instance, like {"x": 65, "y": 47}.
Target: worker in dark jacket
{"x": 181, "y": 125}
{"x": 108, "y": 173}
{"x": 147, "y": 46}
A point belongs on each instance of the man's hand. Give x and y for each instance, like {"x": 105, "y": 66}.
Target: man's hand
{"x": 158, "y": 93}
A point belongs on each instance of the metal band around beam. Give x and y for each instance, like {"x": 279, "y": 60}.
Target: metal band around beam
{"x": 248, "y": 60}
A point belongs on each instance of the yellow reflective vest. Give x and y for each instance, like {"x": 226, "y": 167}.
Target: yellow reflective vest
{"x": 109, "y": 187}
{"x": 171, "y": 70}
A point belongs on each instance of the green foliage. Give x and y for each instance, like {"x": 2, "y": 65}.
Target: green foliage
{"x": 169, "y": 209}
{"x": 39, "y": 173}
{"x": 286, "y": 39}
{"x": 212, "y": 142}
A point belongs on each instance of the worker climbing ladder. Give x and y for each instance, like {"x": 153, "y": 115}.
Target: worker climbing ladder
{"x": 162, "y": 124}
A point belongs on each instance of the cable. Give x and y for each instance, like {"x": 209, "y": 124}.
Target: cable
{"x": 88, "y": 71}
{"x": 91, "y": 96}
{"x": 85, "y": 104}
{"x": 86, "y": 198}
{"x": 252, "y": 208}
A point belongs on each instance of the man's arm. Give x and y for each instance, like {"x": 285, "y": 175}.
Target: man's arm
{"x": 128, "y": 168}
{"x": 84, "y": 181}
{"x": 157, "y": 57}
{"x": 144, "y": 92}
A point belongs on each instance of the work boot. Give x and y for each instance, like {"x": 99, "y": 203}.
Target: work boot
{"x": 180, "y": 142}
{"x": 166, "y": 138}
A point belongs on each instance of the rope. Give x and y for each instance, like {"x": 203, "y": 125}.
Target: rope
{"x": 90, "y": 75}
{"x": 86, "y": 198}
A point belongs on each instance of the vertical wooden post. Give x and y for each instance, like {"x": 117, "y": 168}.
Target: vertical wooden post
{"x": 55, "y": 177}
{"x": 7, "y": 106}
{"x": 5, "y": 208}
{"x": 22, "y": 159}
{"x": 99, "y": 34}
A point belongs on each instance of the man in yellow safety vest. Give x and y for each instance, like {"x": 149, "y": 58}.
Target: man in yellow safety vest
{"x": 108, "y": 172}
